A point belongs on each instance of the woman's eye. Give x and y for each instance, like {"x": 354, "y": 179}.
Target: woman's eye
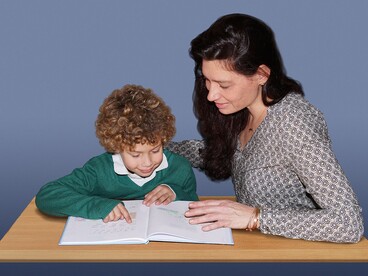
{"x": 207, "y": 84}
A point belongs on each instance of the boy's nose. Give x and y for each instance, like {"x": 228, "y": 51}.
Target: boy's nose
{"x": 146, "y": 161}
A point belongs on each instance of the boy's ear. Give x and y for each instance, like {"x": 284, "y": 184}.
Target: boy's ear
{"x": 263, "y": 73}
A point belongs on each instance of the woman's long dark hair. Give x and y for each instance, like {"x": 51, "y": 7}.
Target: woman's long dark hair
{"x": 245, "y": 42}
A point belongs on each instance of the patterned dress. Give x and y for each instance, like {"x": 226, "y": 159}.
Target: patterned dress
{"x": 289, "y": 171}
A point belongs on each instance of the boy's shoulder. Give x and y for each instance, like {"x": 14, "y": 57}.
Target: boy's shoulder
{"x": 104, "y": 158}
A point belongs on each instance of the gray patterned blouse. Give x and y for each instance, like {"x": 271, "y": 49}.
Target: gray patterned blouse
{"x": 290, "y": 172}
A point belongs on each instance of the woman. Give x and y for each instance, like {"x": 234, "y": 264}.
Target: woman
{"x": 259, "y": 130}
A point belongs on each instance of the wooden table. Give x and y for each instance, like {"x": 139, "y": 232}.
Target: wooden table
{"x": 34, "y": 238}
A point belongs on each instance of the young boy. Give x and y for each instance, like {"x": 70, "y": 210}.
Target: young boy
{"x": 133, "y": 126}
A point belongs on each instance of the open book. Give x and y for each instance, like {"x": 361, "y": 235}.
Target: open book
{"x": 155, "y": 223}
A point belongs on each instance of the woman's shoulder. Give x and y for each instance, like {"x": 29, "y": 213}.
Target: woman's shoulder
{"x": 297, "y": 105}
{"x": 296, "y": 113}
{"x": 174, "y": 158}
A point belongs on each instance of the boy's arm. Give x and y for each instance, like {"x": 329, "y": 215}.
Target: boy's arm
{"x": 181, "y": 179}
{"x": 75, "y": 195}
{"x": 185, "y": 189}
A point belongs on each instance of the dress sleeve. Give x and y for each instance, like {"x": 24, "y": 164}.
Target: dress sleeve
{"x": 188, "y": 149}
{"x": 337, "y": 216}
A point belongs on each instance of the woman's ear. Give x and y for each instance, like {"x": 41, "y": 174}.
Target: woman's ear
{"x": 263, "y": 73}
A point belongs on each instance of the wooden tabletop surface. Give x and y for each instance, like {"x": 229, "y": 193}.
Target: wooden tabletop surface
{"x": 34, "y": 238}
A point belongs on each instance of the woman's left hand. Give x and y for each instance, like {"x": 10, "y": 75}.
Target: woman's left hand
{"x": 219, "y": 213}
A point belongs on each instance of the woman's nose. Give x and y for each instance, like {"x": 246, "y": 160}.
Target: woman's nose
{"x": 212, "y": 93}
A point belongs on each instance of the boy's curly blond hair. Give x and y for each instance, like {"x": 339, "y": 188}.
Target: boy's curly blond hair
{"x": 133, "y": 115}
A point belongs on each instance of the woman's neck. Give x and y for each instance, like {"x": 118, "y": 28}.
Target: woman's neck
{"x": 255, "y": 118}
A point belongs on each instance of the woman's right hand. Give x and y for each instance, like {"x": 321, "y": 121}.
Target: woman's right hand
{"x": 119, "y": 212}
{"x": 220, "y": 213}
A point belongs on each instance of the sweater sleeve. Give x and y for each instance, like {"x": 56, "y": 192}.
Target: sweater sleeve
{"x": 180, "y": 178}
{"x": 186, "y": 188}
{"x": 337, "y": 216}
{"x": 75, "y": 194}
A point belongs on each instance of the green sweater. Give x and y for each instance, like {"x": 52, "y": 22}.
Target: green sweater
{"x": 95, "y": 189}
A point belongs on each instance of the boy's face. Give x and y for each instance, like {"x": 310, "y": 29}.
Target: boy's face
{"x": 143, "y": 159}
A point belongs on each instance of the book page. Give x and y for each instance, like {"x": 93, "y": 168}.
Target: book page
{"x": 86, "y": 231}
{"x": 168, "y": 223}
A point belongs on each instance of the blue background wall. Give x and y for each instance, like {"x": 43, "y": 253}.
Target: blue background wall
{"x": 60, "y": 59}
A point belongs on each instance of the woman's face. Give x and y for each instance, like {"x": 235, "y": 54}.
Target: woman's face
{"x": 229, "y": 90}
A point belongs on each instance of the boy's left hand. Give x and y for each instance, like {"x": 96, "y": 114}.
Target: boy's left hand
{"x": 160, "y": 195}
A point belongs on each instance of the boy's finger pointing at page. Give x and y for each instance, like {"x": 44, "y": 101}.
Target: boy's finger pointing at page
{"x": 124, "y": 213}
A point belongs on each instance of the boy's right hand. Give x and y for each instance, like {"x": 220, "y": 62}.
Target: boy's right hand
{"x": 119, "y": 212}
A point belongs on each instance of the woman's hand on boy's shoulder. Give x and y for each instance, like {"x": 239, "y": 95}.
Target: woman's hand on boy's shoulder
{"x": 162, "y": 194}
{"x": 119, "y": 212}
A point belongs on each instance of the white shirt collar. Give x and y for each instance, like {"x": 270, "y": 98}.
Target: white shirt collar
{"x": 120, "y": 169}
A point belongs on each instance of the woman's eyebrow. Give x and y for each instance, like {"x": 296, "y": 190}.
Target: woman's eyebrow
{"x": 218, "y": 81}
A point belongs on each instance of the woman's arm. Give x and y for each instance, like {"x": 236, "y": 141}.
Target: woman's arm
{"x": 337, "y": 216}
{"x": 188, "y": 149}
